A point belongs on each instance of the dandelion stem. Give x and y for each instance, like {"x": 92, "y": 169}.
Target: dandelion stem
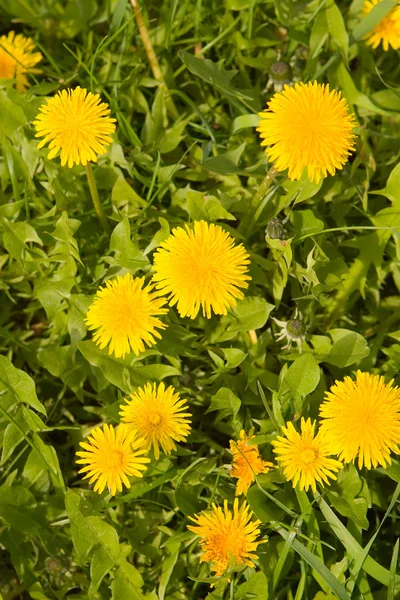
{"x": 151, "y": 55}
{"x": 262, "y": 190}
{"x": 256, "y": 203}
{"x": 95, "y": 197}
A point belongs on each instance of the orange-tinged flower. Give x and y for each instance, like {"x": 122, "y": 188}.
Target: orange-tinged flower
{"x": 361, "y": 419}
{"x": 18, "y": 59}
{"x": 307, "y": 126}
{"x": 110, "y": 456}
{"x": 77, "y": 124}
{"x": 304, "y": 456}
{"x": 387, "y": 31}
{"x": 125, "y": 316}
{"x": 246, "y": 462}
{"x": 158, "y": 416}
{"x": 201, "y": 267}
{"x": 224, "y": 535}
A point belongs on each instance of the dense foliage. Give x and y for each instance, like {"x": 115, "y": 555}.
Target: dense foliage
{"x": 324, "y": 256}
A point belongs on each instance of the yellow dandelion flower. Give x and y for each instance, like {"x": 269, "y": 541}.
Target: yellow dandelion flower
{"x": 111, "y": 456}
{"x": 201, "y": 267}
{"x": 304, "y": 457}
{"x": 76, "y": 123}
{"x": 307, "y": 126}
{"x": 223, "y": 535}
{"x": 124, "y": 315}
{"x": 156, "y": 415}
{"x": 362, "y": 418}
{"x": 246, "y": 462}
{"x": 18, "y": 59}
{"x": 387, "y": 30}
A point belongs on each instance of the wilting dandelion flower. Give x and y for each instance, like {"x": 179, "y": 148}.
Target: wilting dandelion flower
{"x": 246, "y": 462}
{"x": 224, "y": 535}
{"x": 304, "y": 457}
{"x": 158, "y": 416}
{"x": 387, "y": 30}
{"x": 201, "y": 267}
{"x": 307, "y": 126}
{"x": 76, "y": 123}
{"x": 361, "y": 419}
{"x": 111, "y": 456}
{"x": 18, "y": 59}
{"x": 125, "y": 316}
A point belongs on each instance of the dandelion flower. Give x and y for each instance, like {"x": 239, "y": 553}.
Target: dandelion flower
{"x": 361, "y": 419}
{"x": 124, "y": 315}
{"x": 157, "y": 416}
{"x": 76, "y": 123}
{"x": 246, "y": 462}
{"x": 304, "y": 457}
{"x": 224, "y": 535}
{"x": 387, "y": 30}
{"x": 17, "y": 59}
{"x": 201, "y": 267}
{"x": 307, "y": 126}
{"x": 110, "y": 456}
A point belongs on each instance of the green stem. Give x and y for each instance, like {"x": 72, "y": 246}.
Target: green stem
{"x": 262, "y": 190}
{"x": 95, "y": 197}
{"x": 257, "y": 205}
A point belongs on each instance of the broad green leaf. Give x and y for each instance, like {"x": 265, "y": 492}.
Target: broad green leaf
{"x": 18, "y": 509}
{"x": 303, "y": 375}
{"x": 245, "y": 122}
{"x": 255, "y": 588}
{"x": 348, "y": 348}
{"x": 11, "y": 115}
{"x": 226, "y": 403}
{"x": 305, "y": 223}
{"x": 18, "y": 385}
{"x": 126, "y": 373}
{"x": 161, "y": 235}
{"x": 167, "y": 567}
{"x": 337, "y": 28}
{"x": 225, "y": 164}
{"x": 126, "y": 254}
{"x": 203, "y": 207}
{"x": 250, "y": 313}
{"x": 214, "y": 74}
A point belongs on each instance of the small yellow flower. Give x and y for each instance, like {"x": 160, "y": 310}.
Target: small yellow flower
{"x": 224, "y": 535}
{"x": 17, "y": 59}
{"x": 110, "y": 457}
{"x": 304, "y": 457}
{"x": 307, "y": 126}
{"x": 201, "y": 267}
{"x": 76, "y": 123}
{"x": 362, "y": 418}
{"x": 156, "y": 415}
{"x": 246, "y": 463}
{"x": 124, "y": 315}
{"x": 387, "y": 30}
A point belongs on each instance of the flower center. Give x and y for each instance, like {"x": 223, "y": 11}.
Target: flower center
{"x": 115, "y": 459}
{"x": 155, "y": 419}
{"x": 307, "y": 455}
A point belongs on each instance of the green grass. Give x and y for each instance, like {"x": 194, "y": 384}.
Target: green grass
{"x": 186, "y": 148}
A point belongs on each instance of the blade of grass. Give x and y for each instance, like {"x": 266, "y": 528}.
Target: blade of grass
{"x": 393, "y": 569}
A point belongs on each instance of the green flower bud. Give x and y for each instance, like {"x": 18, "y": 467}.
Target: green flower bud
{"x": 275, "y": 230}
